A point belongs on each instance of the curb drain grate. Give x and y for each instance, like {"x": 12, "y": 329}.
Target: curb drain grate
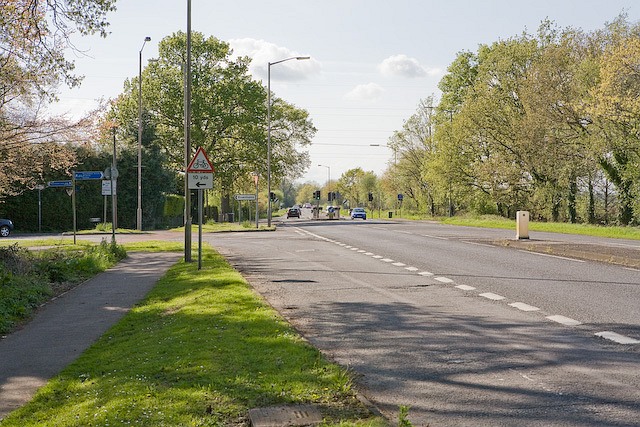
{"x": 280, "y": 416}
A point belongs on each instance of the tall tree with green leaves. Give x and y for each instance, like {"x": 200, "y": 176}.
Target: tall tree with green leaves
{"x": 617, "y": 111}
{"x": 228, "y": 114}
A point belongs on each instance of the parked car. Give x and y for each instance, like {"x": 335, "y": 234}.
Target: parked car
{"x": 358, "y": 213}
{"x": 6, "y": 227}
{"x": 293, "y": 212}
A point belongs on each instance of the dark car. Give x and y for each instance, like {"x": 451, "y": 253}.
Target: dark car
{"x": 6, "y": 227}
{"x": 293, "y": 212}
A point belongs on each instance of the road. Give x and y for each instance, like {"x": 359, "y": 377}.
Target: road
{"x": 463, "y": 332}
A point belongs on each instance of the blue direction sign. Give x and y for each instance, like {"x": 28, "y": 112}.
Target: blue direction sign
{"x": 59, "y": 183}
{"x": 89, "y": 175}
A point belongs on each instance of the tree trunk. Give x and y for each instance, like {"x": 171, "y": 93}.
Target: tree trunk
{"x": 571, "y": 202}
{"x": 592, "y": 204}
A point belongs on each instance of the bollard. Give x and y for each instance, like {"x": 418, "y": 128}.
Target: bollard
{"x": 522, "y": 225}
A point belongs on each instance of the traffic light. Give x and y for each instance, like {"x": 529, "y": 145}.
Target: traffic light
{"x": 330, "y": 196}
{"x": 272, "y": 196}
{"x": 371, "y": 197}
{"x": 316, "y": 195}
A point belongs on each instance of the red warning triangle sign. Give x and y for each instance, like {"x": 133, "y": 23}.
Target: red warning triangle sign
{"x": 200, "y": 163}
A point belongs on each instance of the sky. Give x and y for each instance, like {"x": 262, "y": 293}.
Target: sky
{"x": 371, "y": 61}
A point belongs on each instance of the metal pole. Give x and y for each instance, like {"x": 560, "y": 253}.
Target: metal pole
{"x": 114, "y": 196}
{"x": 39, "y": 210}
{"x": 187, "y": 142}
{"x": 73, "y": 204}
{"x": 269, "y": 131}
{"x": 200, "y": 229}
{"x": 269, "y": 145}
{"x": 139, "y": 210}
{"x": 256, "y": 180}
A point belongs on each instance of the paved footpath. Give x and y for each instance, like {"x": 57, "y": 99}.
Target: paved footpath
{"x": 63, "y": 328}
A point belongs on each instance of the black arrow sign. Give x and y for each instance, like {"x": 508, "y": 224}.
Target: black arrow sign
{"x": 200, "y": 184}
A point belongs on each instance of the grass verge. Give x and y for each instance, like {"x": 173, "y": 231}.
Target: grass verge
{"x": 200, "y": 350}
{"x": 30, "y": 278}
{"x": 221, "y": 227}
{"x": 491, "y": 221}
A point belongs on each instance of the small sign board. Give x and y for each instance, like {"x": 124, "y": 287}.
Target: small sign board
{"x": 200, "y": 181}
{"x": 244, "y": 197}
{"x": 59, "y": 184}
{"x": 200, "y": 163}
{"x": 80, "y": 176}
{"x": 106, "y": 187}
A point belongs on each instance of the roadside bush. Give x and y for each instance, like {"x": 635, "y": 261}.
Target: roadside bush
{"x": 27, "y": 279}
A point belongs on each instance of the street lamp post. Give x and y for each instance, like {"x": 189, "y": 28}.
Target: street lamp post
{"x": 187, "y": 140}
{"x": 298, "y": 58}
{"x": 395, "y": 163}
{"x": 395, "y": 152}
{"x": 139, "y": 211}
{"x": 328, "y": 176}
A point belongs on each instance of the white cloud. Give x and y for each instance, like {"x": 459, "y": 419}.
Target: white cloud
{"x": 403, "y": 66}
{"x": 369, "y": 92}
{"x": 263, "y": 52}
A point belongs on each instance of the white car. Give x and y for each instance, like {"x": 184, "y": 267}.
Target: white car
{"x": 358, "y": 213}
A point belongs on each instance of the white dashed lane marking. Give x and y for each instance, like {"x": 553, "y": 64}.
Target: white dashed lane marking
{"x": 564, "y": 320}
{"x": 620, "y": 339}
{"x": 524, "y": 307}
{"x": 492, "y": 296}
{"x": 608, "y": 335}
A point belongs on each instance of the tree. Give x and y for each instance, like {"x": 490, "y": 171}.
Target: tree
{"x": 617, "y": 108}
{"x": 349, "y": 186}
{"x": 34, "y": 36}
{"x": 228, "y": 114}
{"x": 413, "y": 145}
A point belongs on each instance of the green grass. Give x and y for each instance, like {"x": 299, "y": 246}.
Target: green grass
{"x": 491, "y": 221}
{"x": 221, "y": 227}
{"x": 30, "y": 278}
{"x": 201, "y": 350}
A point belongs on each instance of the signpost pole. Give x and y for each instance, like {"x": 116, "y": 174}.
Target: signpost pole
{"x": 256, "y": 180}
{"x": 113, "y": 208}
{"x": 39, "y": 210}
{"x": 199, "y": 229}
{"x": 73, "y": 203}
{"x": 40, "y": 187}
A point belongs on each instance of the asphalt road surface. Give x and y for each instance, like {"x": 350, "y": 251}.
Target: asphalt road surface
{"x": 463, "y": 332}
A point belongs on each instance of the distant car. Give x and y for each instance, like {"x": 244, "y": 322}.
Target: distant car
{"x": 358, "y": 213}
{"x": 6, "y": 227}
{"x": 293, "y": 212}
{"x": 307, "y": 206}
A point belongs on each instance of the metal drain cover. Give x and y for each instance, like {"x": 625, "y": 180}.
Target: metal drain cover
{"x": 280, "y": 416}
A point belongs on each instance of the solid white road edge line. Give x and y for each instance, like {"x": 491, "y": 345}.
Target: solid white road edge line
{"x": 551, "y": 256}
